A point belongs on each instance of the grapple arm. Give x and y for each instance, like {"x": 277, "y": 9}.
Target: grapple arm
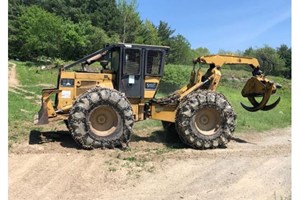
{"x": 257, "y": 86}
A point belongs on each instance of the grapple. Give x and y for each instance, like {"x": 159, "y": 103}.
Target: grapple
{"x": 259, "y": 87}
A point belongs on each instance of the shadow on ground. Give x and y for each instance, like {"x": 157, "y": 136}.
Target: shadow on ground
{"x": 62, "y": 137}
{"x": 170, "y": 140}
{"x": 65, "y": 139}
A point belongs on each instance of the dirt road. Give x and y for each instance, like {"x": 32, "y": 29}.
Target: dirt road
{"x": 253, "y": 166}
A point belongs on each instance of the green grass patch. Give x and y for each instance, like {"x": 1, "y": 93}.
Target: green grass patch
{"x": 20, "y": 108}
{"x": 279, "y": 117}
{"x": 30, "y": 74}
{"x": 149, "y": 123}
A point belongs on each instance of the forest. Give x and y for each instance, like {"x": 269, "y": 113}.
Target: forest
{"x": 64, "y": 30}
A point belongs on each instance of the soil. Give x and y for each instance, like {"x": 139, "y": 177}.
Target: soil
{"x": 51, "y": 166}
{"x": 12, "y": 76}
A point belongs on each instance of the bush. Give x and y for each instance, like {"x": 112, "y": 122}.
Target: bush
{"x": 175, "y": 76}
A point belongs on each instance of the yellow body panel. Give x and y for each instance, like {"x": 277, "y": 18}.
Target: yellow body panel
{"x": 93, "y": 76}
{"x": 149, "y": 93}
{"x": 83, "y": 82}
{"x": 164, "y": 113}
{"x": 66, "y": 97}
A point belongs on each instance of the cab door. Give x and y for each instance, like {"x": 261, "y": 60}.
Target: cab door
{"x": 132, "y": 81}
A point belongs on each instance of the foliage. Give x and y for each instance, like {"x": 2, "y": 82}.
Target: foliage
{"x": 272, "y": 61}
{"x": 201, "y": 51}
{"x": 165, "y": 33}
{"x": 148, "y": 34}
{"x": 285, "y": 53}
{"x": 131, "y": 22}
{"x": 175, "y": 76}
{"x": 179, "y": 50}
{"x": 71, "y": 29}
{"x": 33, "y": 40}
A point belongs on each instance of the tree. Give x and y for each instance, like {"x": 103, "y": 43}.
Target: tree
{"x": 165, "y": 33}
{"x": 285, "y": 53}
{"x": 201, "y": 51}
{"x": 269, "y": 60}
{"x": 147, "y": 34}
{"x": 131, "y": 20}
{"x": 38, "y": 33}
{"x": 106, "y": 15}
{"x": 180, "y": 51}
{"x": 249, "y": 52}
{"x": 14, "y": 11}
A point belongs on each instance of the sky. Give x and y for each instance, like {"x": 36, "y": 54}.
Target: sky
{"x": 228, "y": 25}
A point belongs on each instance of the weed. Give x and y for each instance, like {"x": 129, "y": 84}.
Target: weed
{"x": 130, "y": 159}
{"x": 112, "y": 169}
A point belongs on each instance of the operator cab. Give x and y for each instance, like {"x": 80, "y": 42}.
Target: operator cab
{"x": 137, "y": 69}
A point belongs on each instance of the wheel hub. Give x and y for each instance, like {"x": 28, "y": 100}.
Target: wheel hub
{"x": 207, "y": 121}
{"x": 204, "y": 119}
{"x": 103, "y": 120}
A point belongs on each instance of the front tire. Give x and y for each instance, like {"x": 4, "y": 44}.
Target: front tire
{"x": 101, "y": 118}
{"x": 205, "y": 119}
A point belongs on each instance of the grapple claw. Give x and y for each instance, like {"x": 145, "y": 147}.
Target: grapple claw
{"x": 257, "y": 106}
{"x": 266, "y": 107}
{"x": 259, "y": 86}
{"x": 271, "y": 106}
{"x": 250, "y": 109}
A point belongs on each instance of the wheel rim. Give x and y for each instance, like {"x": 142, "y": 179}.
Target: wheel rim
{"x": 103, "y": 120}
{"x": 207, "y": 121}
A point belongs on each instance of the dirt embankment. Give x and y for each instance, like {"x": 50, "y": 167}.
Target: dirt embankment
{"x": 253, "y": 166}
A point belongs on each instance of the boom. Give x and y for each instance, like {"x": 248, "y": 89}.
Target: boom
{"x": 220, "y": 60}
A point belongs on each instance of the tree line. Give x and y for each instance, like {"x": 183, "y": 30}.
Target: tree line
{"x": 70, "y": 29}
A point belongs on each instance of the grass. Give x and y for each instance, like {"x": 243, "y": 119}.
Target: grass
{"x": 22, "y": 101}
{"x": 23, "y": 104}
{"x": 31, "y": 75}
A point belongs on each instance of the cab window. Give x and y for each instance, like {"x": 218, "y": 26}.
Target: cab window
{"x": 132, "y": 61}
{"x": 154, "y": 62}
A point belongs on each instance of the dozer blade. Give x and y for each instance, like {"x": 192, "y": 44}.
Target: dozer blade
{"x": 42, "y": 116}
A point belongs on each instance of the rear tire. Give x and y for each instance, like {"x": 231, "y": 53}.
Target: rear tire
{"x": 205, "y": 119}
{"x": 101, "y": 118}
